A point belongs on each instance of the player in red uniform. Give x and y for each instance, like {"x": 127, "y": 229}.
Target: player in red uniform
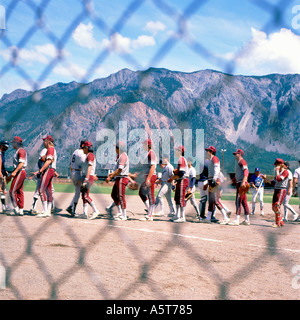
{"x": 281, "y": 183}
{"x": 18, "y": 175}
{"x": 121, "y": 175}
{"x": 88, "y": 172}
{"x": 241, "y": 176}
{"x": 214, "y": 183}
{"x": 146, "y": 191}
{"x": 47, "y": 173}
{"x": 181, "y": 177}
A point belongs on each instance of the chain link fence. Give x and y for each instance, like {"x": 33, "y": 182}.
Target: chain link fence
{"x": 40, "y": 24}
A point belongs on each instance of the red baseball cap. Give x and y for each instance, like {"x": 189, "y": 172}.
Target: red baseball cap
{"x": 211, "y": 148}
{"x": 180, "y": 148}
{"x": 49, "y": 138}
{"x": 278, "y": 161}
{"x": 148, "y": 142}
{"x": 239, "y": 151}
{"x": 87, "y": 144}
{"x": 17, "y": 139}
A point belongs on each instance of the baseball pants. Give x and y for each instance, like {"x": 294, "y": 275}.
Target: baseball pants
{"x": 180, "y": 191}
{"x": 118, "y": 191}
{"x": 16, "y": 190}
{"x": 278, "y": 197}
{"x": 241, "y": 201}
{"x": 260, "y": 194}
{"x": 287, "y": 206}
{"x": 46, "y": 185}
{"x": 165, "y": 191}
{"x": 76, "y": 178}
{"x": 146, "y": 192}
{"x": 86, "y": 195}
{"x": 214, "y": 200}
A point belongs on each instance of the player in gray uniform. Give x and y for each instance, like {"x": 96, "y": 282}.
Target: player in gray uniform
{"x": 286, "y": 205}
{"x": 77, "y": 161}
{"x": 296, "y": 180}
{"x": 165, "y": 189}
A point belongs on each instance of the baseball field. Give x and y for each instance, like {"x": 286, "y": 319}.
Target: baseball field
{"x": 66, "y": 258}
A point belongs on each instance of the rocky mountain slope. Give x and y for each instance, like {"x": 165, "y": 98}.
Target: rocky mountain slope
{"x": 258, "y": 114}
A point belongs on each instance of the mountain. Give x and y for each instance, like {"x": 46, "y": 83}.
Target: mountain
{"x": 257, "y": 114}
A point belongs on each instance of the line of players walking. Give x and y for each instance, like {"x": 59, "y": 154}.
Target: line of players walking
{"x": 182, "y": 180}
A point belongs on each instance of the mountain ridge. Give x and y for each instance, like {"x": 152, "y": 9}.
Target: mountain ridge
{"x": 259, "y": 112}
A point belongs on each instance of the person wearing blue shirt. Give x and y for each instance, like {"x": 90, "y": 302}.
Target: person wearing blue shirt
{"x": 257, "y": 183}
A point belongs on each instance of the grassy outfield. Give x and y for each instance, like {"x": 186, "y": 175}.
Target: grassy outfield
{"x": 103, "y": 189}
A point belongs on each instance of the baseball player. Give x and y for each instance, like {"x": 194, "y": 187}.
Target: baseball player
{"x": 146, "y": 191}
{"x": 281, "y": 182}
{"x": 166, "y": 187}
{"x": 77, "y": 161}
{"x": 181, "y": 177}
{"x": 214, "y": 183}
{"x": 241, "y": 176}
{"x": 88, "y": 172}
{"x": 121, "y": 175}
{"x": 3, "y": 173}
{"x": 288, "y": 195}
{"x": 18, "y": 175}
{"x": 190, "y": 195}
{"x": 41, "y": 161}
{"x": 296, "y": 179}
{"x": 257, "y": 183}
{"x": 46, "y": 173}
{"x": 203, "y": 183}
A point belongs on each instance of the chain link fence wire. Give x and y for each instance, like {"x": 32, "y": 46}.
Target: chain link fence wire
{"x": 181, "y": 35}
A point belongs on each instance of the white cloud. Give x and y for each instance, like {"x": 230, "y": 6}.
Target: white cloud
{"x": 277, "y": 52}
{"x": 143, "y": 41}
{"x": 154, "y": 27}
{"x": 84, "y": 36}
{"x": 118, "y": 43}
{"x": 124, "y": 45}
{"x": 70, "y": 70}
{"x": 38, "y": 53}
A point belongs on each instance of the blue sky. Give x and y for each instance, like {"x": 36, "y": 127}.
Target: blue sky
{"x": 68, "y": 43}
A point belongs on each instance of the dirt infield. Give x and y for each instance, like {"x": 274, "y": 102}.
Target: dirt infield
{"x": 66, "y": 258}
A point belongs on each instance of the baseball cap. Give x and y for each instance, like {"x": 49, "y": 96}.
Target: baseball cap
{"x": 278, "y": 161}
{"x": 17, "y": 139}
{"x": 257, "y": 169}
{"x": 286, "y": 163}
{"x": 211, "y": 148}
{"x": 49, "y": 138}
{"x": 4, "y": 143}
{"x": 121, "y": 145}
{"x": 239, "y": 151}
{"x": 87, "y": 144}
{"x": 180, "y": 148}
{"x": 148, "y": 142}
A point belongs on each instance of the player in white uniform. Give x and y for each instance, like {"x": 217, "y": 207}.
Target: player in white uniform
{"x": 165, "y": 189}
{"x": 192, "y": 187}
{"x": 77, "y": 161}
{"x": 296, "y": 179}
{"x": 288, "y": 195}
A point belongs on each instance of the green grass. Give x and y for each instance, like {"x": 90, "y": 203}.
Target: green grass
{"x": 98, "y": 188}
